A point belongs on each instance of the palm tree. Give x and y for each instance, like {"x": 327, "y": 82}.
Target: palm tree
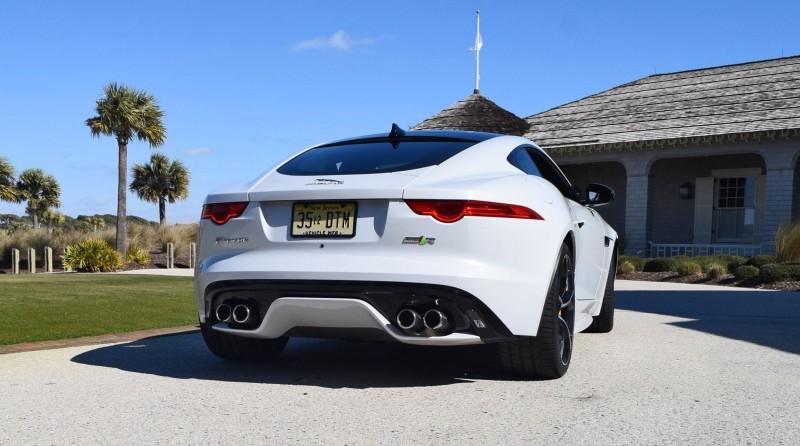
{"x": 40, "y": 190}
{"x": 160, "y": 182}
{"x": 53, "y": 219}
{"x": 125, "y": 113}
{"x": 95, "y": 221}
{"x": 8, "y": 191}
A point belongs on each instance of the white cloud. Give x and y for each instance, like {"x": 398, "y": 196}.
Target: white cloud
{"x": 197, "y": 151}
{"x": 340, "y": 40}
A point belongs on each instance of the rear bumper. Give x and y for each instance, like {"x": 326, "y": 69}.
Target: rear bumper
{"x": 296, "y": 314}
{"x": 350, "y": 309}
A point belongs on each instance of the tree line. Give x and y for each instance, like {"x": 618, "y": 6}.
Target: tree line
{"x": 123, "y": 113}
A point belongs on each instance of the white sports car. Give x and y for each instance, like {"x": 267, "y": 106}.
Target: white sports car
{"x": 422, "y": 237}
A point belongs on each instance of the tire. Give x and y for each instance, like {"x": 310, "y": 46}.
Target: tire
{"x": 237, "y": 348}
{"x": 604, "y": 322}
{"x": 547, "y": 355}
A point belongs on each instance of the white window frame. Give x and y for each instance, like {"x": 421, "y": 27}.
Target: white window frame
{"x": 718, "y": 174}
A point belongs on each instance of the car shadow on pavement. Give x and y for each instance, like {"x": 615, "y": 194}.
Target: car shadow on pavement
{"x": 308, "y": 362}
{"x": 770, "y": 319}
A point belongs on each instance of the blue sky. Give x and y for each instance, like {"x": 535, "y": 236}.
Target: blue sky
{"x": 245, "y": 84}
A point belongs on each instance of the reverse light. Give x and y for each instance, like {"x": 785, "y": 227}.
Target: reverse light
{"x": 220, "y": 213}
{"x": 449, "y": 211}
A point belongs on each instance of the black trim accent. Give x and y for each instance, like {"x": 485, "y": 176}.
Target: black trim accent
{"x": 387, "y": 297}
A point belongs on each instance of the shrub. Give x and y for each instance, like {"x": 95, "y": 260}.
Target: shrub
{"x": 745, "y": 272}
{"x": 735, "y": 262}
{"x": 179, "y": 235}
{"x": 787, "y": 242}
{"x": 108, "y": 235}
{"x": 93, "y": 255}
{"x": 636, "y": 262}
{"x": 142, "y": 235}
{"x": 136, "y": 254}
{"x": 687, "y": 268}
{"x": 626, "y": 267}
{"x": 659, "y": 265}
{"x": 776, "y": 272}
{"x": 716, "y": 270}
{"x": 730, "y": 262}
{"x": 761, "y": 260}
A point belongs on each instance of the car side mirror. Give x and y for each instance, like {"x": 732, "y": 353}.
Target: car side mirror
{"x": 597, "y": 195}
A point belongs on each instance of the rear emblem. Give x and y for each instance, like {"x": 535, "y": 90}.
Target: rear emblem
{"x": 421, "y": 241}
{"x": 324, "y": 182}
{"x": 223, "y": 240}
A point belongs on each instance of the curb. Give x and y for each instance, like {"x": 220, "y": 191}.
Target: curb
{"x": 96, "y": 340}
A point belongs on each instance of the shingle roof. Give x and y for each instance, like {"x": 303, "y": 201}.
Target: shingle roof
{"x": 478, "y": 114}
{"x": 734, "y": 101}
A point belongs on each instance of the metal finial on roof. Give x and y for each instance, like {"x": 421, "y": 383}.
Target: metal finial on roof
{"x": 477, "y": 49}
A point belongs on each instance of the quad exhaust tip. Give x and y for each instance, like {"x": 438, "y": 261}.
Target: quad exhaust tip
{"x": 409, "y": 320}
{"x": 224, "y": 313}
{"x": 241, "y": 314}
{"x": 435, "y": 320}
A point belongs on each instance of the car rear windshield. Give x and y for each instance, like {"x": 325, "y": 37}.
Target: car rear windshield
{"x": 373, "y": 156}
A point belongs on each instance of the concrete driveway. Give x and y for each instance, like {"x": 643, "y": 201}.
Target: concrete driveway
{"x": 684, "y": 365}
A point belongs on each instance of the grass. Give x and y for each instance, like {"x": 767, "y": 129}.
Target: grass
{"x": 787, "y": 242}
{"x": 38, "y": 307}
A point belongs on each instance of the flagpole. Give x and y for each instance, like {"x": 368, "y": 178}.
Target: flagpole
{"x": 477, "y": 52}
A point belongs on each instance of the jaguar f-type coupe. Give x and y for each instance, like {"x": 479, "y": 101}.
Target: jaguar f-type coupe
{"x": 422, "y": 237}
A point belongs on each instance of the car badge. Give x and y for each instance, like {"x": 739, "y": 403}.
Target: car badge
{"x": 421, "y": 240}
{"x": 227, "y": 241}
{"x": 324, "y": 182}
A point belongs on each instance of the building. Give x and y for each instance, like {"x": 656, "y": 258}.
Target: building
{"x": 702, "y": 161}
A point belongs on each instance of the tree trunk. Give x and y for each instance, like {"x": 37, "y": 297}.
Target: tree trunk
{"x": 162, "y": 211}
{"x": 122, "y": 191}
{"x": 35, "y": 219}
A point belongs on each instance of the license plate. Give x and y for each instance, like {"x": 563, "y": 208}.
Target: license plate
{"x": 324, "y": 220}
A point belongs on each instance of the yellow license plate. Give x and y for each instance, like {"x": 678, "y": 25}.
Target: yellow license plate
{"x": 324, "y": 220}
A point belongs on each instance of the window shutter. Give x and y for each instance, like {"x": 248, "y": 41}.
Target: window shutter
{"x": 703, "y": 209}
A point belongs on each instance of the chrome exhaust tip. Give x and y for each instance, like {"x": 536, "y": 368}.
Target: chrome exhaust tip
{"x": 223, "y": 313}
{"x": 241, "y": 314}
{"x": 435, "y": 320}
{"x": 409, "y": 320}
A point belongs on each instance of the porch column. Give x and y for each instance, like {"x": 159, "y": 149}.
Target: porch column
{"x": 636, "y": 214}
{"x": 779, "y": 190}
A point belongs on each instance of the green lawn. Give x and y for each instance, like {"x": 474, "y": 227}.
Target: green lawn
{"x": 39, "y": 307}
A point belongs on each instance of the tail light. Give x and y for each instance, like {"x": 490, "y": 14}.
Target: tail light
{"x": 220, "y": 213}
{"x": 449, "y": 211}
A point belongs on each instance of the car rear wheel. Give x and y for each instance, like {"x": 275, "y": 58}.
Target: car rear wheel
{"x": 604, "y": 322}
{"x": 237, "y": 348}
{"x": 547, "y": 355}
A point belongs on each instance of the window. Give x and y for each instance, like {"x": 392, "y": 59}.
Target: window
{"x": 735, "y": 210}
{"x": 374, "y": 156}
{"x": 534, "y": 162}
{"x": 520, "y": 159}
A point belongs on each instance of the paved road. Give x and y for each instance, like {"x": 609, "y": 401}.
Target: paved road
{"x": 696, "y": 366}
